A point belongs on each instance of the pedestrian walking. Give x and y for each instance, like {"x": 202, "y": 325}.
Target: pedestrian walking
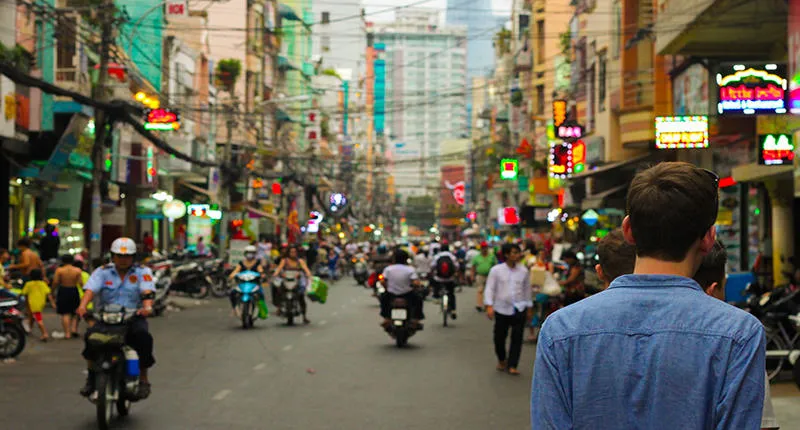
{"x": 37, "y": 293}
{"x": 68, "y": 282}
{"x": 617, "y": 257}
{"x": 508, "y": 301}
{"x": 654, "y": 338}
{"x": 481, "y": 264}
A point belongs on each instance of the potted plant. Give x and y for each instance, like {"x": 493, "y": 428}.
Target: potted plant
{"x": 228, "y": 71}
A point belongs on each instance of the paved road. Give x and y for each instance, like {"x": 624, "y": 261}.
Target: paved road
{"x": 341, "y": 372}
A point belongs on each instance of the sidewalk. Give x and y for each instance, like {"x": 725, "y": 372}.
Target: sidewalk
{"x": 786, "y": 401}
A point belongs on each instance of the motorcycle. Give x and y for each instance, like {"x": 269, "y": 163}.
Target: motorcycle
{"x": 360, "y": 272}
{"x": 220, "y": 282}
{"x": 163, "y": 283}
{"x": 402, "y": 327}
{"x": 12, "y": 332}
{"x": 290, "y": 301}
{"x": 117, "y": 367}
{"x": 246, "y": 295}
{"x": 190, "y": 278}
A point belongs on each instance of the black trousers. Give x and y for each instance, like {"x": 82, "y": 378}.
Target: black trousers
{"x": 451, "y": 292}
{"x": 414, "y": 302}
{"x": 138, "y": 338}
{"x": 502, "y": 323}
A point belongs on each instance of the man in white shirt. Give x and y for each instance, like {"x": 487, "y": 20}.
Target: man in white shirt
{"x": 508, "y": 300}
{"x": 400, "y": 279}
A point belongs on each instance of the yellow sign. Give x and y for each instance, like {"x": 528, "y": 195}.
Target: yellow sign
{"x": 11, "y": 107}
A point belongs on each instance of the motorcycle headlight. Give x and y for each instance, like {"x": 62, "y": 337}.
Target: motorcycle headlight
{"x": 112, "y": 318}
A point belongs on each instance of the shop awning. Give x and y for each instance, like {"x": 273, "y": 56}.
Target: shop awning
{"x": 598, "y": 201}
{"x": 756, "y": 172}
{"x": 261, "y": 213}
{"x": 610, "y": 167}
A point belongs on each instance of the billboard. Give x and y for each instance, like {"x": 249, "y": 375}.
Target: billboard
{"x": 748, "y": 89}
{"x": 452, "y": 195}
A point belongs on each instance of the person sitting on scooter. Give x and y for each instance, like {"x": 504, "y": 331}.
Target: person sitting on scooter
{"x": 250, "y": 263}
{"x": 401, "y": 279}
{"x": 445, "y": 276}
{"x": 292, "y": 261}
{"x": 130, "y": 286}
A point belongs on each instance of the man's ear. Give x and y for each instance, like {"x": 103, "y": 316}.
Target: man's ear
{"x": 600, "y": 275}
{"x": 712, "y": 289}
{"x": 708, "y": 240}
{"x": 627, "y": 230}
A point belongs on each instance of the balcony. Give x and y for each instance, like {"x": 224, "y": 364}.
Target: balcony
{"x": 638, "y": 91}
{"x": 70, "y": 59}
{"x": 710, "y": 27}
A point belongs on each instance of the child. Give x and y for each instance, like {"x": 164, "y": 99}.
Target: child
{"x": 37, "y": 292}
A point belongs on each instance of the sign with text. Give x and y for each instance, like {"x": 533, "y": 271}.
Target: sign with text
{"x": 680, "y": 132}
{"x": 775, "y": 149}
{"x": 569, "y": 131}
{"x": 747, "y": 89}
{"x": 177, "y": 8}
{"x": 566, "y": 159}
{"x": 559, "y": 112}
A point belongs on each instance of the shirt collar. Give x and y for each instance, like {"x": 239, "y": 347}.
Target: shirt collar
{"x": 650, "y": 281}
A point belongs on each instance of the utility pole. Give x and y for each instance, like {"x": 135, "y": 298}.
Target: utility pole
{"x": 106, "y": 13}
{"x": 225, "y": 198}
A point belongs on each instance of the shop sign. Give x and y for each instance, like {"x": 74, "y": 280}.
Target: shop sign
{"x": 314, "y": 220}
{"x": 775, "y": 149}
{"x": 567, "y": 158}
{"x": 793, "y": 31}
{"x": 162, "y": 119}
{"x": 177, "y": 8}
{"x": 508, "y": 216}
{"x": 174, "y": 209}
{"x": 680, "y": 132}
{"x": 458, "y": 191}
{"x": 200, "y": 210}
{"x": 509, "y": 169}
{"x": 559, "y": 112}
{"x": 752, "y": 89}
{"x": 569, "y": 131}
{"x": 148, "y": 209}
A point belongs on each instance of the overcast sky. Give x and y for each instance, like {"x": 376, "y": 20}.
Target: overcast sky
{"x": 374, "y": 7}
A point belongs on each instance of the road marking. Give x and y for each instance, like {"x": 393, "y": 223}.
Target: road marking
{"x": 260, "y": 366}
{"x": 323, "y": 322}
{"x": 307, "y": 334}
{"x": 288, "y": 348}
{"x": 221, "y": 395}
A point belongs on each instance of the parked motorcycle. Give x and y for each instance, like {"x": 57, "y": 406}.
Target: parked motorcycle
{"x": 12, "y": 332}
{"x": 246, "y": 295}
{"x": 288, "y": 285}
{"x": 221, "y": 285}
{"x": 190, "y": 278}
{"x": 163, "y": 282}
{"x": 117, "y": 367}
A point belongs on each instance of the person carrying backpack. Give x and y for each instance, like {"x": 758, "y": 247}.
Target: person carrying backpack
{"x": 445, "y": 270}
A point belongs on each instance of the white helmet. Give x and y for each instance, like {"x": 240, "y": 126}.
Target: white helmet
{"x": 458, "y": 244}
{"x": 250, "y": 249}
{"x": 123, "y": 246}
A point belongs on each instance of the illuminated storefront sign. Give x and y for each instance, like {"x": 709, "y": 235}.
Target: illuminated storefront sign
{"x": 458, "y": 190}
{"x": 752, "y": 89}
{"x": 567, "y": 158}
{"x": 162, "y": 119}
{"x": 509, "y": 168}
{"x": 559, "y": 112}
{"x": 569, "y": 131}
{"x": 775, "y": 149}
{"x": 679, "y": 132}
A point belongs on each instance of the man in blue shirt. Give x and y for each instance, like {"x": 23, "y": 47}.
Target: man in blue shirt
{"x": 131, "y": 286}
{"x": 654, "y": 351}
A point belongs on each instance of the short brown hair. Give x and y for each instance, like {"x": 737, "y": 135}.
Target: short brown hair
{"x": 671, "y": 206}
{"x": 712, "y": 269}
{"x": 617, "y": 257}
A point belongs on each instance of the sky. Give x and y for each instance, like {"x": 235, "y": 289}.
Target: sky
{"x": 376, "y": 9}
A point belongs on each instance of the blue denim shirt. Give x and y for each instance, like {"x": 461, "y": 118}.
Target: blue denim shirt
{"x": 650, "y": 352}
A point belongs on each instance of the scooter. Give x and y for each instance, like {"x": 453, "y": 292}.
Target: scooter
{"x": 12, "y": 332}
{"x": 246, "y": 295}
{"x": 190, "y": 278}
{"x": 290, "y": 295}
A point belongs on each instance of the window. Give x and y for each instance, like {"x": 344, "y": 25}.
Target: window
{"x": 326, "y": 17}
{"x": 601, "y": 81}
{"x": 540, "y": 99}
{"x": 524, "y": 22}
{"x": 539, "y": 42}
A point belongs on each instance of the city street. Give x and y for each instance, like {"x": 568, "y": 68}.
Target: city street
{"x": 341, "y": 372}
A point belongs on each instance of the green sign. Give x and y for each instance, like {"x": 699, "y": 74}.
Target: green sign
{"x": 509, "y": 169}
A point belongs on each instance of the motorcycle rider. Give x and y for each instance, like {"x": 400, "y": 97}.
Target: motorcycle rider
{"x": 382, "y": 259}
{"x": 250, "y": 262}
{"x": 445, "y": 280}
{"x": 123, "y": 283}
{"x": 401, "y": 279}
{"x": 292, "y": 261}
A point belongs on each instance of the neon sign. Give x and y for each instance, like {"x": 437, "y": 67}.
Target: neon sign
{"x": 775, "y": 149}
{"x": 679, "y": 132}
{"x": 162, "y": 119}
{"x": 559, "y": 112}
{"x": 567, "y": 158}
{"x": 569, "y": 131}
{"x": 752, "y": 89}
{"x": 509, "y": 168}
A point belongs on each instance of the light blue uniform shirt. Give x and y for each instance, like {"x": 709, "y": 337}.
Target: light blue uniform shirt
{"x": 651, "y": 352}
{"x": 108, "y": 288}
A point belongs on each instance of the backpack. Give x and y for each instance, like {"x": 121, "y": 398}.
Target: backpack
{"x": 445, "y": 267}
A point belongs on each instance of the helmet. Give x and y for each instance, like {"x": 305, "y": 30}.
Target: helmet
{"x": 382, "y": 249}
{"x": 123, "y": 246}
{"x": 250, "y": 251}
{"x": 458, "y": 244}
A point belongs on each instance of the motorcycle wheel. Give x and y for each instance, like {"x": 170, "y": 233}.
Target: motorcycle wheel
{"x": 13, "y": 341}
{"x": 105, "y": 401}
{"x": 401, "y": 339}
{"x": 445, "y": 308}
{"x": 290, "y": 313}
{"x": 202, "y": 293}
{"x": 246, "y": 315}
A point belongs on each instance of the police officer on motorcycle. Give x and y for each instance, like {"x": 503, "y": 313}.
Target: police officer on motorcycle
{"x": 129, "y": 285}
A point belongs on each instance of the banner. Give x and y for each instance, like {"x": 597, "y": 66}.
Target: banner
{"x": 66, "y": 145}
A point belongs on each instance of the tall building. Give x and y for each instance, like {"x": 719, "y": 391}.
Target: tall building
{"x": 339, "y": 37}
{"x": 472, "y": 14}
{"x": 426, "y": 94}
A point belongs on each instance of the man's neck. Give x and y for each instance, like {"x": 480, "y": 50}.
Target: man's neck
{"x": 652, "y": 266}
{"x": 511, "y": 264}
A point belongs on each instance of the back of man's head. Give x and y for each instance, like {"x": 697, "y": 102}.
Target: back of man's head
{"x": 617, "y": 257}
{"x": 670, "y": 207}
{"x": 712, "y": 271}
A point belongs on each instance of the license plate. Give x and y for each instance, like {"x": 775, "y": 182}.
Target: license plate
{"x": 399, "y": 314}
{"x": 289, "y": 296}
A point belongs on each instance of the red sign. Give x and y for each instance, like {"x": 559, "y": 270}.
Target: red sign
{"x": 452, "y": 195}
{"x": 752, "y": 89}
{"x": 458, "y": 191}
{"x": 161, "y": 116}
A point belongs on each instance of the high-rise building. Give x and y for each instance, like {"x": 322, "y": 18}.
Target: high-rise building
{"x": 473, "y": 15}
{"x": 426, "y": 84}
